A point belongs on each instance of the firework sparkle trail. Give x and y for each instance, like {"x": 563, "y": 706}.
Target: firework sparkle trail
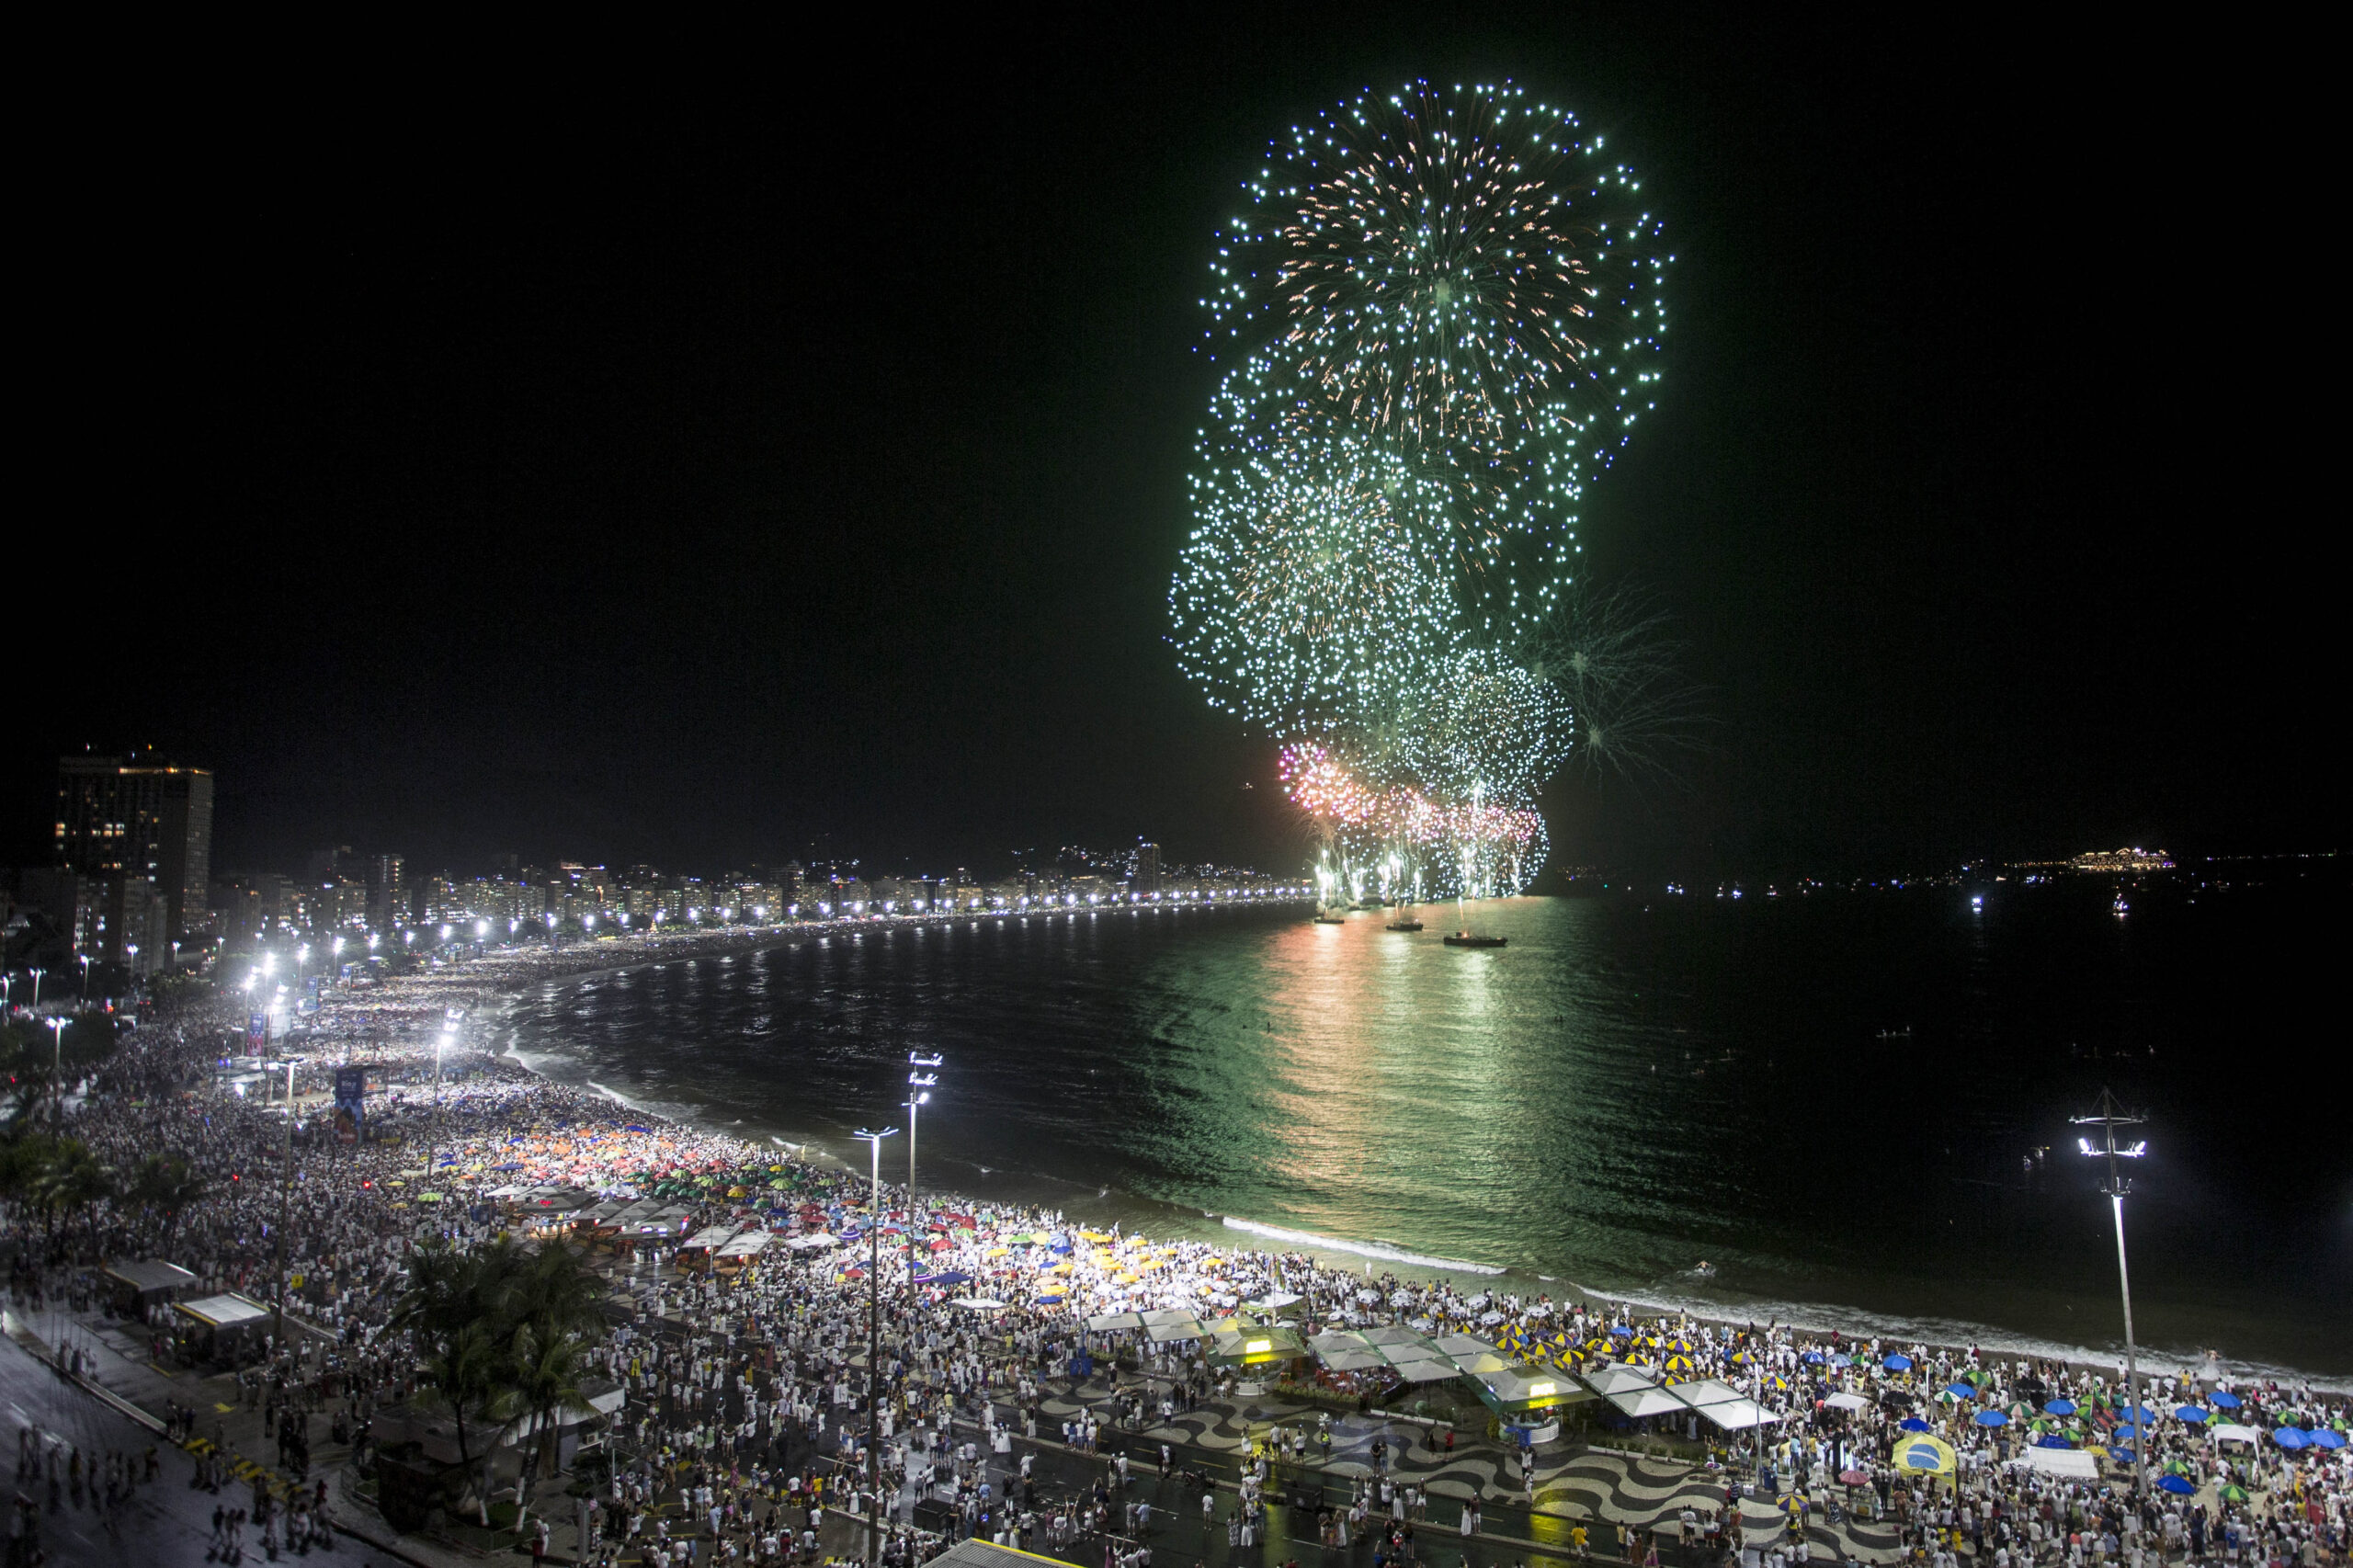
{"x": 1438, "y": 316}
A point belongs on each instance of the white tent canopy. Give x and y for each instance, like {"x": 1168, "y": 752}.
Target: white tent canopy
{"x": 2232, "y": 1432}
{"x": 1737, "y": 1414}
{"x": 1708, "y": 1391}
{"x": 1431, "y": 1370}
{"x": 2062, "y": 1462}
{"x": 1644, "y": 1401}
{"x": 1611, "y": 1380}
{"x": 1847, "y": 1402}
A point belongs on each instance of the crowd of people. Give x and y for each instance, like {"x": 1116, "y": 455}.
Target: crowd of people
{"x": 744, "y": 1404}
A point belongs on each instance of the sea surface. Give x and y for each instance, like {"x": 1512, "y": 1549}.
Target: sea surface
{"x": 1852, "y": 1106}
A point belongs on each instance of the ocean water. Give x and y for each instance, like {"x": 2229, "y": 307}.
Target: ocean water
{"x": 1851, "y": 1106}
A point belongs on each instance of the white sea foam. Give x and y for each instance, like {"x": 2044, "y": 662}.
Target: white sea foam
{"x": 1361, "y": 1249}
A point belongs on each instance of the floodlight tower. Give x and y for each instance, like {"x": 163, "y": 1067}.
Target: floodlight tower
{"x": 919, "y": 1084}
{"x": 2107, "y": 1117}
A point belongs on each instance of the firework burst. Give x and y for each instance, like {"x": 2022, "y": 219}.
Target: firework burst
{"x": 1440, "y": 312}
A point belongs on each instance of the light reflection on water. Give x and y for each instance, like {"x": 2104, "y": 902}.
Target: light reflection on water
{"x": 1620, "y": 1093}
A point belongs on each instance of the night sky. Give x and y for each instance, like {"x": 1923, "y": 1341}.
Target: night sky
{"x": 783, "y": 446}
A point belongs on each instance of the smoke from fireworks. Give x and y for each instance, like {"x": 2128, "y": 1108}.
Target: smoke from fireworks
{"x": 1439, "y": 313}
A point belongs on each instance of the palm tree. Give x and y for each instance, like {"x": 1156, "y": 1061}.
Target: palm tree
{"x": 470, "y": 1379}
{"x": 64, "y": 1175}
{"x": 545, "y": 1379}
{"x": 164, "y": 1184}
{"x": 503, "y": 1330}
{"x": 557, "y": 1294}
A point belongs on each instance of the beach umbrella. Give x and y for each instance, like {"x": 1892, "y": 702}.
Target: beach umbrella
{"x": 1912, "y": 1424}
{"x": 2129, "y": 1432}
{"x": 1960, "y": 1391}
{"x": 1992, "y": 1418}
{"x": 2119, "y": 1456}
{"x": 1811, "y": 1358}
{"x": 1897, "y": 1363}
{"x": 1854, "y": 1478}
{"x": 2139, "y": 1413}
{"x": 1838, "y": 1358}
{"x": 2225, "y": 1398}
{"x": 2290, "y": 1438}
{"x": 2052, "y": 1441}
{"x": 2193, "y": 1413}
{"x": 2232, "y": 1492}
{"x": 2176, "y": 1486}
{"x": 1621, "y": 1332}
{"x": 2060, "y": 1407}
{"x": 2324, "y": 1437}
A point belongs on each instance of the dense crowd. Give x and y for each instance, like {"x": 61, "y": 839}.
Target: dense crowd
{"x": 743, "y": 1399}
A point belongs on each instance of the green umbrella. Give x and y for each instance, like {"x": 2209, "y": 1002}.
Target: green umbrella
{"x": 2233, "y": 1493}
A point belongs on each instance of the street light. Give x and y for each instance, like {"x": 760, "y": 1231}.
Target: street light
{"x": 918, "y": 1095}
{"x": 2108, "y": 1119}
{"x": 57, "y": 1063}
{"x": 36, "y": 971}
{"x": 874, "y": 1347}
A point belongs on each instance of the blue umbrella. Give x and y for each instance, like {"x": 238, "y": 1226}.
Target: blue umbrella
{"x": 2060, "y": 1407}
{"x": 1992, "y": 1418}
{"x": 2225, "y": 1398}
{"x": 1897, "y": 1363}
{"x": 2175, "y": 1484}
{"x": 2193, "y": 1413}
{"x": 2138, "y": 1413}
{"x": 2129, "y": 1432}
{"x": 1622, "y": 1332}
{"x": 1811, "y": 1358}
{"x": 2052, "y": 1441}
{"x": 1912, "y": 1424}
{"x": 2290, "y": 1438}
{"x": 1838, "y": 1360}
{"x": 1960, "y": 1391}
{"x": 2119, "y": 1456}
{"x": 2321, "y": 1437}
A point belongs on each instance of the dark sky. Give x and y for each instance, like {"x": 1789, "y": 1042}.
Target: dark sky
{"x": 681, "y": 461}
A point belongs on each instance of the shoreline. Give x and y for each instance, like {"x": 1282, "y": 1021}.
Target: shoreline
{"x": 1351, "y": 1255}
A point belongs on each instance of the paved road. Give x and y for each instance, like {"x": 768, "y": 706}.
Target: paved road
{"x": 165, "y": 1523}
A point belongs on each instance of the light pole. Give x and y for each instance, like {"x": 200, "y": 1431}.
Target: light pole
{"x": 2108, "y": 1119}
{"x": 57, "y": 1065}
{"x": 918, "y": 1095}
{"x": 36, "y": 972}
{"x": 874, "y": 1348}
{"x": 285, "y": 1207}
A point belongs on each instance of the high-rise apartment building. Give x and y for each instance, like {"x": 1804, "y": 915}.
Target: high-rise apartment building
{"x": 118, "y": 816}
{"x": 1147, "y": 868}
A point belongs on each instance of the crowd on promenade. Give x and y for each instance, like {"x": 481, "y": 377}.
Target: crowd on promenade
{"x": 744, "y": 1399}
